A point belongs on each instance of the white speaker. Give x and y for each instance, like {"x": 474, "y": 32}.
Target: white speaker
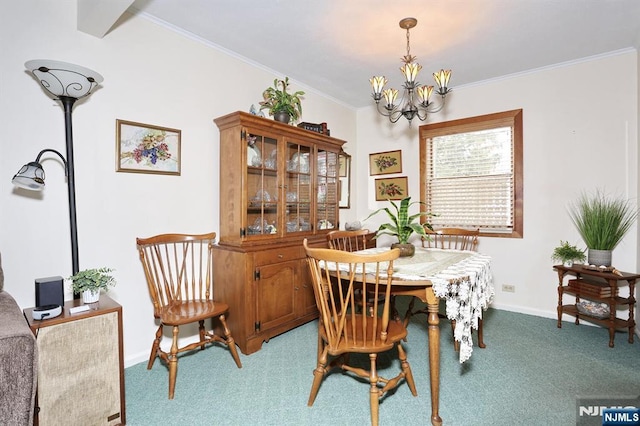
{"x": 80, "y": 366}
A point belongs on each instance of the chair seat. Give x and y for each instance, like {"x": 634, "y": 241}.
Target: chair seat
{"x": 185, "y": 312}
{"x": 396, "y": 331}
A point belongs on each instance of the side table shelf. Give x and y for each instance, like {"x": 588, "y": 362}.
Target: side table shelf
{"x": 601, "y": 287}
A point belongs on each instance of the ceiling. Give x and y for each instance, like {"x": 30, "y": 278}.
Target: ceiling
{"x": 335, "y": 46}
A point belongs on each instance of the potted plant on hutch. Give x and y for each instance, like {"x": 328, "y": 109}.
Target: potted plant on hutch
{"x": 402, "y": 225}
{"x": 282, "y": 105}
{"x": 602, "y": 222}
{"x": 567, "y": 254}
{"x": 89, "y": 282}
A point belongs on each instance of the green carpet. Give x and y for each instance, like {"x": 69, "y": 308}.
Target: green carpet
{"x": 531, "y": 373}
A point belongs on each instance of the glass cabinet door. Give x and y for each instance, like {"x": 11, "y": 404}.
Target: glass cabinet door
{"x": 262, "y": 185}
{"x": 327, "y": 194}
{"x": 298, "y": 189}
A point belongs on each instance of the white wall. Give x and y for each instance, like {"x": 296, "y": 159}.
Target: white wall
{"x": 580, "y": 133}
{"x": 152, "y": 75}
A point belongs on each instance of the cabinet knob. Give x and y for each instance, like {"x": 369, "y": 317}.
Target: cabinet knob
{"x": 280, "y": 256}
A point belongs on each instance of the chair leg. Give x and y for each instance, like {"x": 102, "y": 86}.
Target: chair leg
{"x": 320, "y": 341}
{"x": 318, "y": 374}
{"x": 406, "y": 369}
{"x": 154, "y": 347}
{"x": 202, "y": 334}
{"x": 230, "y": 342}
{"x": 173, "y": 362}
{"x": 409, "y": 313}
{"x": 374, "y": 392}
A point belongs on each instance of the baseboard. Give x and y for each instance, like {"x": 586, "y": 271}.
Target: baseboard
{"x": 540, "y": 313}
{"x": 136, "y": 359}
{"x": 524, "y": 310}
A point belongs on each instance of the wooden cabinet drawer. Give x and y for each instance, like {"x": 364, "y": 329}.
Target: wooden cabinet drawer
{"x": 279, "y": 254}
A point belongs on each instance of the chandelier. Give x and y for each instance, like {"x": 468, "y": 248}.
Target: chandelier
{"x": 415, "y": 101}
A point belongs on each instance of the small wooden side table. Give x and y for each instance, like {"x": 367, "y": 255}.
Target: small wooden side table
{"x": 599, "y": 287}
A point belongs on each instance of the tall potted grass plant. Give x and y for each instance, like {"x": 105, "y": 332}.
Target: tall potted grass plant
{"x": 602, "y": 221}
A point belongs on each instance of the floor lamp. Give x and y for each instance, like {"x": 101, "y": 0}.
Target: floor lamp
{"x": 66, "y": 83}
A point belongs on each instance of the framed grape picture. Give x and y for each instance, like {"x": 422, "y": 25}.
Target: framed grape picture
{"x": 144, "y": 148}
{"x": 392, "y": 188}
{"x": 384, "y": 163}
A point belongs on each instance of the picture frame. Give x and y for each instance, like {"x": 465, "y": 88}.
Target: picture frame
{"x": 392, "y": 188}
{"x": 147, "y": 148}
{"x": 344, "y": 180}
{"x": 343, "y": 167}
{"x": 384, "y": 163}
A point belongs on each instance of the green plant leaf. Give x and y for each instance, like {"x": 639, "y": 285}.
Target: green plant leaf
{"x": 277, "y": 99}
{"x": 602, "y": 220}
{"x": 402, "y": 225}
{"x": 92, "y": 279}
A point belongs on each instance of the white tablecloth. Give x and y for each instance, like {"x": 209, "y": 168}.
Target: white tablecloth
{"x": 462, "y": 278}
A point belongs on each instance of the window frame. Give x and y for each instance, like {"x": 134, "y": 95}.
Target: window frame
{"x": 513, "y": 119}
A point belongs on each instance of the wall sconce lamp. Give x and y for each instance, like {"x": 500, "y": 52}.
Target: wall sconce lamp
{"x": 66, "y": 83}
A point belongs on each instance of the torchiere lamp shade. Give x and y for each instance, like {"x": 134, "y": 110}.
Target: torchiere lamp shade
{"x": 62, "y": 79}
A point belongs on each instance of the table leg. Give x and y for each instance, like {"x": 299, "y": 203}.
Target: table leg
{"x": 434, "y": 355}
{"x": 612, "y": 332}
{"x": 480, "y": 336}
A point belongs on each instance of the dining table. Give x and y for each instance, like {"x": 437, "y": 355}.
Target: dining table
{"x": 461, "y": 278}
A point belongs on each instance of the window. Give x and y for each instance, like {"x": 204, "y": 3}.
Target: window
{"x": 471, "y": 173}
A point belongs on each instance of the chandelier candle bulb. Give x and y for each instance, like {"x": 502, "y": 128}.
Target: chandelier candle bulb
{"x": 442, "y": 79}
{"x": 390, "y": 96}
{"x": 424, "y": 93}
{"x": 378, "y": 84}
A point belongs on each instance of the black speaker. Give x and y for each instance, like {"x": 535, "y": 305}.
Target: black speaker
{"x": 49, "y": 291}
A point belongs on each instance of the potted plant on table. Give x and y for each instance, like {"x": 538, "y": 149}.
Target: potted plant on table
{"x": 567, "y": 254}
{"x": 402, "y": 225}
{"x": 602, "y": 222}
{"x": 89, "y": 282}
{"x": 282, "y": 105}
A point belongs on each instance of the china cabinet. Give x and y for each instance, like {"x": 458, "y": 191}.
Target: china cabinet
{"x": 279, "y": 184}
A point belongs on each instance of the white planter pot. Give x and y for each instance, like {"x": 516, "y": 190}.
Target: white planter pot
{"x": 90, "y": 296}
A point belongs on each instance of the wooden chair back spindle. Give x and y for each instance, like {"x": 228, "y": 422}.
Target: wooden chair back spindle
{"x": 348, "y": 240}
{"x": 452, "y": 239}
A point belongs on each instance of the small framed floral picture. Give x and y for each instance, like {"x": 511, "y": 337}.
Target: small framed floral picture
{"x": 392, "y": 188}
{"x": 144, "y": 148}
{"x": 384, "y": 163}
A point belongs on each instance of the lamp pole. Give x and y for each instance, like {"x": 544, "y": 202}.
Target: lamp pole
{"x": 67, "y": 103}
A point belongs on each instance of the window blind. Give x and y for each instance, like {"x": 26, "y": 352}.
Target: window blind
{"x": 470, "y": 179}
